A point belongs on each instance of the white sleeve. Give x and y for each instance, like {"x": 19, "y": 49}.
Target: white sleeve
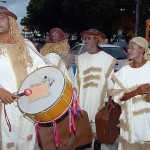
{"x": 38, "y": 61}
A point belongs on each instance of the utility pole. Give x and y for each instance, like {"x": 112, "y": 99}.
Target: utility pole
{"x": 137, "y": 17}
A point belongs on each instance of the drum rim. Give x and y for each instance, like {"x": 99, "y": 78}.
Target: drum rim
{"x": 28, "y": 77}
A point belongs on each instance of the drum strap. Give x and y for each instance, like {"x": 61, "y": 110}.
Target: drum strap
{"x": 41, "y": 56}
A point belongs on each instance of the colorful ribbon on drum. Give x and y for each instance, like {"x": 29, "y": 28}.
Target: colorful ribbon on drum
{"x": 74, "y": 111}
{"x": 76, "y": 106}
{"x": 55, "y": 133}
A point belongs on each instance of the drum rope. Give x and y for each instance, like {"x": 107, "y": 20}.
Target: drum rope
{"x": 41, "y": 56}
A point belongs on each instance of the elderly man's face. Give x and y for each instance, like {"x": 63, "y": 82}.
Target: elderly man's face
{"x": 135, "y": 51}
{"x": 4, "y": 24}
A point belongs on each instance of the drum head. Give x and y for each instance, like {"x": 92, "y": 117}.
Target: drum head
{"x": 55, "y": 80}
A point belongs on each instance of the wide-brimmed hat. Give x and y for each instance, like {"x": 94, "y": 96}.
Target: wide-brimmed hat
{"x": 56, "y": 35}
{"x": 93, "y": 32}
{"x": 5, "y": 11}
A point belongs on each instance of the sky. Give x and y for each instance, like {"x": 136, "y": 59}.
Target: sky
{"x": 18, "y": 7}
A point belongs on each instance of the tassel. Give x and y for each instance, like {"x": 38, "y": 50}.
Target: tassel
{"x": 55, "y": 133}
{"x": 37, "y": 127}
{"x": 71, "y": 122}
{"x": 76, "y": 106}
{"x": 37, "y": 130}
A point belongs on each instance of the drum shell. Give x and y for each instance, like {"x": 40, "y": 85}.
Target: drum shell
{"x": 58, "y": 109}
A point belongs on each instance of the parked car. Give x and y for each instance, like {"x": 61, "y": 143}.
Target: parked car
{"x": 123, "y": 45}
{"x": 114, "y": 50}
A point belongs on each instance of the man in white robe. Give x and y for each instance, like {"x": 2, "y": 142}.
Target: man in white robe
{"x": 17, "y": 61}
{"x": 93, "y": 78}
{"x": 132, "y": 92}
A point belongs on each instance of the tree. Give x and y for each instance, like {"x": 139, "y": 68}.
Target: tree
{"x": 42, "y": 15}
{"x": 78, "y": 15}
{"x": 84, "y": 14}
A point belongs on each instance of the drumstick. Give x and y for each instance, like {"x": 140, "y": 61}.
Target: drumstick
{"x": 26, "y": 92}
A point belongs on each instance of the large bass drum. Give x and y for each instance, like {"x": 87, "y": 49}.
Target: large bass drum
{"x": 50, "y": 97}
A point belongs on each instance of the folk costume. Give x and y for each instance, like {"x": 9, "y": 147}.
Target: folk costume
{"x": 17, "y": 132}
{"x": 135, "y": 117}
{"x": 93, "y": 77}
{"x": 94, "y": 81}
{"x": 17, "y": 61}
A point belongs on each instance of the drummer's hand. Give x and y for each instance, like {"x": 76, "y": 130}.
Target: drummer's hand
{"x": 143, "y": 89}
{"x": 6, "y": 97}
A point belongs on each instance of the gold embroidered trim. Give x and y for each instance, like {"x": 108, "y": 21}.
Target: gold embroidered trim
{"x": 128, "y": 120}
{"x": 91, "y": 77}
{"x": 10, "y": 145}
{"x": 136, "y": 100}
{"x": 109, "y": 92}
{"x": 90, "y": 84}
{"x": 116, "y": 92}
{"x": 105, "y": 87}
{"x": 134, "y": 146}
{"x": 119, "y": 83}
{"x": 123, "y": 125}
{"x": 141, "y": 111}
{"x": 91, "y": 69}
{"x": 29, "y": 137}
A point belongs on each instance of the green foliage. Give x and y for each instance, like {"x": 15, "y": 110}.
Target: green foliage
{"x": 79, "y": 15}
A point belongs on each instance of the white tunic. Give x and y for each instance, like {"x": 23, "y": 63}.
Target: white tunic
{"x": 94, "y": 80}
{"x": 22, "y": 136}
{"x": 56, "y": 61}
{"x": 135, "y": 116}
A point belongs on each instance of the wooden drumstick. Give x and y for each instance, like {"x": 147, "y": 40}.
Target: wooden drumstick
{"x": 26, "y": 92}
